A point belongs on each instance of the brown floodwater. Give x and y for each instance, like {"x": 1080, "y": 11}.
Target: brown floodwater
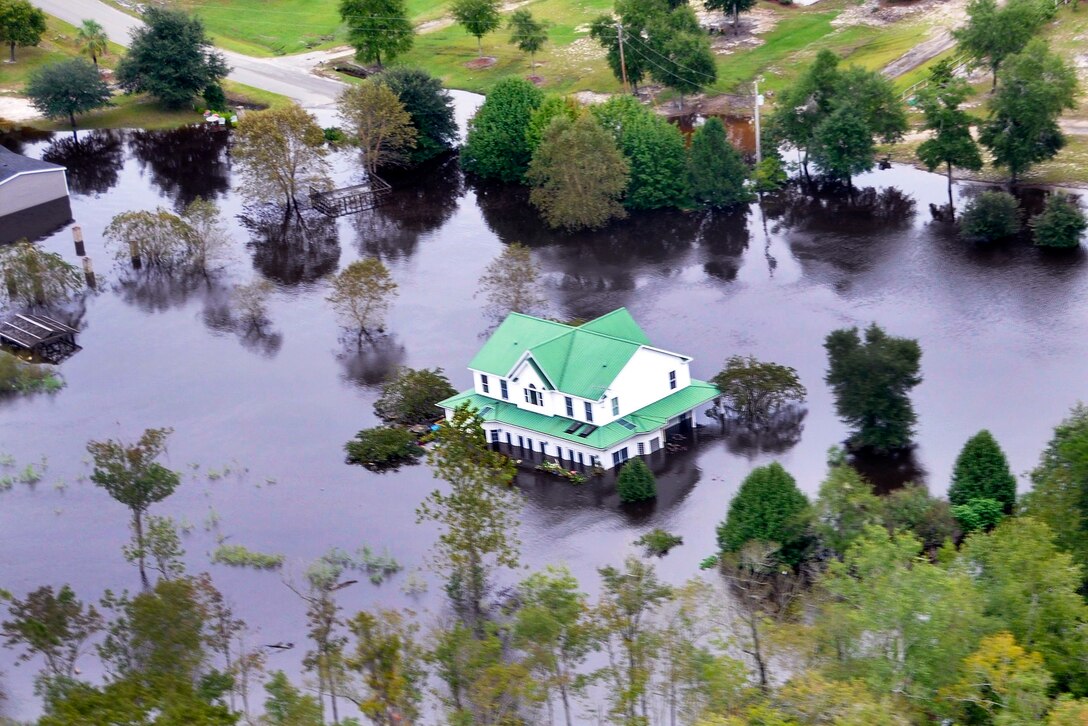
{"x": 1004, "y": 333}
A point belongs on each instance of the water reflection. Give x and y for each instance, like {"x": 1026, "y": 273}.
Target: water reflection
{"x": 256, "y": 335}
{"x": 187, "y": 163}
{"x": 372, "y": 364}
{"x": 292, "y": 250}
{"x": 155, "y": 289}
{"x": 832, "y": 207}
{"x": 776, "y": 436}
{"x": 889, "y": 472}
{"x": 723, "y": 238}
{"x": 94, "y": 161}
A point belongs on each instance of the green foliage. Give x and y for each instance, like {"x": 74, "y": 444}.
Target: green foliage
{"x": 991, "y": 216}
{"x": 912, "y": 509}
{"x": 527, "y": 33}
{"x": 755, "y": 391}
{"x": 680, "y": 51}
{"x": 20, "y": 24}
{"x": 843, "y": 144}
{"x": 951, "y": 143}
{"x": 769, "y": 175}
{"x": 280, "y": 154}
{"x": 1036, "y": 86}
{"x": 871, "y": 380}
{"x": 980, "y": 514}
{"x": 34, "y": 277}
{"x": 845, "y": 508}
{"x": 551, "y": 107}
{"x": 68, "y": 88}
{"x": 325, "y": 572}
{"x": 240, "y": 556}
{"x": 162, "y": 546}
{"x": 411, "y": 396}
{"x": 429, "y": 106}
{"x": 288, "y": 706}
{"x": 53, "y": 625}
{"x": 1061, "y": 223}
{"x": 636, "y": 482}
{"x": 170, "y": 57}
{"x": 1030, "y": 587}
{"x": 768, "y": 507}
{"x": 1004, "y": 681}
{"x": 17, "y": 376}
{"x": 361, "y": 294}
{"x": 478, "y": 17}
{"x": 214, "y": 97}
{"x": 655, "y": 152}
{"x": 636, "y": 17}
{"x": 391, "y": 664}
{"x": 497, "y": 147}
{"x": 982, "y": 472}
{"x": 993, "y": 33}
{"x": 730, "y": 7}
{"x": 93, "y": 40}
{"x": 380, "y": 125}
{"x": 377, "y": 27}
{"x": 657, "y": 542}
{"x": 481, "y": 680}
{"x": 383, "y": 446}
{"x": 578, "y": 175}
{"x": 716, "y": 171}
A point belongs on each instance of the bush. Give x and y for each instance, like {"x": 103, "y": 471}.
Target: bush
{"x": 1061, "y": 223}
{"x": 658, "y": 542}
{"x": 334, "y": 134}
{"x": 982, "y": 472}
{"x": 17, "y": 376}
{"x": 496, "y": 147}
{"x": 636, "y": 482}
{"x": 913, "y": 509}
{"x": 978, "y": 514}
{"x": 989, "y": 217}
{"x": 382, "y": 446}
{"x": 215, "y": 98}
{"x": 239, "y": 556}
{"x": 768, "y": 508}
{"x": 411, "y": 396}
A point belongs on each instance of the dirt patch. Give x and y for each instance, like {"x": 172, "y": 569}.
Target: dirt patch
{"x": 477, "y": 64}
{"x": 590, "y": 98}
{"x": 725, "y": 38}
{"x": 17, "y": 108}
{"x": 947, "y": 13}
{"x": 432, "y": 25}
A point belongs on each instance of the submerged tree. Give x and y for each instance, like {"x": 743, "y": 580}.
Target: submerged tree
{"x": 390, "y": 660}
{"x": 429, "y": 106}
{"x": 410, "y": 396}
{"x": 280, "y": 153}
{"x": 716, "y": 170}
{"x": 982, "y": 472}
{"x": 636, "y": 482}
{"x": 989, "y": 217}
{"x": 496, "y": 146}
{"x": 951, "y": 142}
{"x": 131, "y": 475}
{"x": 1061, "y": 223}
{"x": 361, "y": 294}
{"x": 34, "y": 277}
{"x": 511, "y": 283}
{"x": 755, "y": 391}
{"x": 378, "y": 123}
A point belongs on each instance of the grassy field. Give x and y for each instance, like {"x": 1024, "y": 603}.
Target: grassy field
{"x": 58, "y": 43}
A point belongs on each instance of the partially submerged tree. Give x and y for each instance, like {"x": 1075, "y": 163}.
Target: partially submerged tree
{"x": 171, "y": 58}
{"x": 93, "y": 40}
{"x": 578, "y": 175}
{"x": 716, "y": 171}
{"x": 951, "y": 142}
{"x": 527, "y": 33}
{"x": 636, "y": 482}
{"x": 755, "y": 391}
{"x": 429, "y": 106}
{"x": 391, "y": 663}
{"x": 991, "y": 216}
{"x": 131, "y": 475}
{"x": 1061, "y": 223}
{"x": 163, "y": 240}
{"x": 768, "y": 507}
{"x": 20, "y": 24}
{"x": 361, "y": 294}
{"x": 35, "y": 278}
{"x": 496, "y": 147}
{"x": 410, "y": 396}
{"x": 280, "y": 153}
{"x": 478, "y": 17}
{"x": 511, "y": 283}
{"x": 378, "y": 123}
{"x": 377, "y": 28}
{"x": 871, "y": 380}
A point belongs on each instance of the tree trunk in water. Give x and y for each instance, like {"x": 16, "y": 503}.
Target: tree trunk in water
{"x": 566, "y": 702}
{"x": 138, "y": 525}
{"x": 72, "y": 118}
{"x": 951, "y": 208}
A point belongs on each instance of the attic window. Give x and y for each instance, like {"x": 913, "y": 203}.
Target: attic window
{"x": 626, "y": 424}
{"x": 486, "y": 411}
{"x": 587, "y": 431}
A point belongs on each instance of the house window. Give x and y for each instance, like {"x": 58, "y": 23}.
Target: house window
{"x": 581, "y": 461}
{"x": 618, "y": 457}
{"x": 483, "y": 384}
{"x": 672, "y": 380}
{"x": 570, "y": 407}
{"x": 589, "y": 412}
{"x": 543, "y": 447}
{"x": 494, "y": 436}
{"x": 570, "y": 455}
{"x": 641, "y": 448}
{"x": 509, "y": 440}
{"x": 521, "y": 443}
{"x": 529, "y": 444}
{"x": 504, "y": 390}
{"x": 616, "y": 406}
{"x": 533, "y": 396}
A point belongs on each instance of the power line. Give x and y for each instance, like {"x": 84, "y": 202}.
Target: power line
{"x": 650, "y": 48}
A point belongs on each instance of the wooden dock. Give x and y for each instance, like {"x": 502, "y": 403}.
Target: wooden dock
{"x": 49, "y": 339}
{"x": 350, "y": 200}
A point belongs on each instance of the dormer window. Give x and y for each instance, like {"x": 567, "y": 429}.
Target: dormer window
{"x": 533, "y": 396}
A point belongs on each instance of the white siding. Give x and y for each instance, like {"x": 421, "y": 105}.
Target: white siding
{"x": 31, "y": 189}
{"x": 587, "y": 452}
{"x": 527, "y": 376}
{"x": 644, "y": 380}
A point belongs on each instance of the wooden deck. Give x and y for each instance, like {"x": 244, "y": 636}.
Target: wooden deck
{"x": 350, "y": 200}
{"x": 46, "y": 337}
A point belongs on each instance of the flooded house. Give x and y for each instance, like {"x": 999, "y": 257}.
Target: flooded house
{"x": 592, "y": 395}
{"x": 33, "y": 197}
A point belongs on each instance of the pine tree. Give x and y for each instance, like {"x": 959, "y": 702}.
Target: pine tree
{"x": 768, "y": 508}
{"x": 716, "y": 170}
{"x": 636, "y": 482}
{"x": 982, "y": 472}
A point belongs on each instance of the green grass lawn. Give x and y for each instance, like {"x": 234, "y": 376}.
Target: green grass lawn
{"x": 57, "y": 44}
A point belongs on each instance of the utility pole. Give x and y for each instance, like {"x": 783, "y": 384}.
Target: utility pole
{"x": 759, "y": 141}
{"x": 623, "y": 64}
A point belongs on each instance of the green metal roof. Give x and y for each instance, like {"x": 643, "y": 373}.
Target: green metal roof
{"x": 580, "y": 361}
{"x": 649, "y": 418}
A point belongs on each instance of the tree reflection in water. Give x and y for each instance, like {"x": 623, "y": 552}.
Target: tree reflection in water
{"x": 187, "y": 163}
{"x": 777, "y": 435}
{"x": 723, "y": 238}
{"x": 290, "y": 249}
{"x": 93, "y": 162}
{"x": 256, "y": 336}
{"x": 371, "y": 365}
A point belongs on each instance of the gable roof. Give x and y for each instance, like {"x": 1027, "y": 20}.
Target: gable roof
{"x": 581, "y": 361}
{"x": 12, "y": 165}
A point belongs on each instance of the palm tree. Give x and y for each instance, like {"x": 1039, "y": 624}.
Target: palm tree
{"x": 93, "y": 40}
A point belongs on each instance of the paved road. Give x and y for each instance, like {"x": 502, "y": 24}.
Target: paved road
{"x": 284, "y": 76}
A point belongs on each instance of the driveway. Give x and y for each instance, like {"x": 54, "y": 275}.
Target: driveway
{"x": 285, "y": 75}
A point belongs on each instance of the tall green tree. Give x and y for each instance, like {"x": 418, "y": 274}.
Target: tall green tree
{"x": 62, "y": 90}
{"x": 845, "y": 507}
{"x": 20, "y": 24}
{"x": 982, "y": 472}
{"x": 171, "y": 58}
{"x": 93, "y": 40}
{"x": 950, "y": 142}
{"x": 1060, "y": 224}
{"x": 716, "y": 171}
{"x": 527, "y": 33}
{"x": 634, "y": 16}
{"x": 390, "y": 660}
{"x": 131, "y": 475}
{"x": 994, "y": 32}
{"x": 430, "y": 108}
{"x": 280, "y": 153}
{"x": 477, "y": 517}
{"x": 730, "y": 7}
{"x": 496, "y": 147}
{"x": 803, "y": 106}
{"x": 1036, "y": 86}
{"x": 768, "y": 507}
{"x": 377, "y": 28}
{"x": 871, "y": 380}
{"x": 411, "y": 396}
{"x": 54, "y": 625}
{"x": 654, "y": 149}
{"x": 679, "y": 49}
{"x": 478, "y": 17}
{"x": 636, "y": 482}
{"x": 379, "y": 124}
{"x": 552, "y": 106}
{"x": 286, "y": 705}
{"x": 754, "y": 391}
{"x": 843, "y": 145}
{"x": 578, "y": 175}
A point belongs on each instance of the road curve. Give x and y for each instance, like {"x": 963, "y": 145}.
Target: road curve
{"x": 269, "y": 74}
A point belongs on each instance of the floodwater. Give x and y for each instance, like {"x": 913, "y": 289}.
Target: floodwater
{"x": 260, "y": 420}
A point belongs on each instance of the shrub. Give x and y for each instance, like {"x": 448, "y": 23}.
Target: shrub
{"x": 496, "y": 147}
{"x": 411, "y": 396}
{"x": 768, "y": 508}
{"x": 658, "y": 542}
{"x": 982, "y": 472}
{"x": 636, "y": 482}
{"x": 382, "y": 446}
{"x": 912, "y": 508}
{"x": 989, "y": 217}
{"x": 239, "y": 556}
{"x": 214, "y": 97}
{"x": 978, "y": 514}
{"x": 17, "y": 376}
{"x": 1061, "y": 223}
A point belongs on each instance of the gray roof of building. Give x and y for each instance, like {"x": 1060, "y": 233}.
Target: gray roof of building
{"x": 12, "y": 164}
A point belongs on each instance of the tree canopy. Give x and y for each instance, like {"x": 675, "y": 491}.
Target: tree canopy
{"x": 982, "y": 472}
{"x": 1061, "y": 223}
{"x": 428, "y": 105}
{"x": 478, "y": 17}
{"x": 378, "y": 123}
{"x": 527, "y": 33}
{"x": 496, "y": 147}
{"x": 280, "y": 153}
{"x": 951, "y": 142}
{"x": 20, "y": 24}
{"x": 411, "y": 396}
{"x": 68, "y": 88}
{"x": 755, "y": 391}
{"x": 93, "y": 40}
{"x": 716, "y": 171}
{"x": 991, "y": 216}
{"x": 636, "y": 482}
{"x": 170, "y": 57}
{"x": 361, "y": 294}
{"x": 768, "y": 507}
{"x": 377, "y": 28}
{"x": 994, "y": 32}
